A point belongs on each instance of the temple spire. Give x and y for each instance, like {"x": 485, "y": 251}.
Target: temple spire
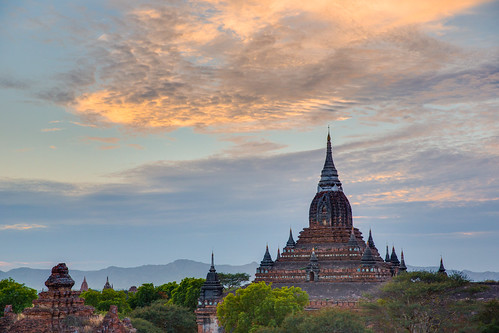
{"x": 352, "y": 241}
{"x": 267, "y": 259}
{"x": 291, "y": 242}
{"x": 393, "y": 258}
{"x": 84, "y": 284}
{"x": 441, "y": 270}
{"x": 212, "y": 290}
{"x": 329, "y": 175}
{"x": 367, "y": 256}
{"x": 107, "y": 285}
{"x": 212, "y": 268}
{"x": 402, "y": 267}
{"x": 387, "y": 257}
{"x": 370, "y": 240}
{"x": 278, "y": 254}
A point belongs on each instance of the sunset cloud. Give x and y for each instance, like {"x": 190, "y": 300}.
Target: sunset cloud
{"x": 21, "y": 226}
{"x": 54, "y": 129}
{"x": 233, "y": 67}
{"x": 103, "y": 139}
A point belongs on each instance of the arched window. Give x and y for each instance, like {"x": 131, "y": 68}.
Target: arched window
{"x": 324, "y": 215}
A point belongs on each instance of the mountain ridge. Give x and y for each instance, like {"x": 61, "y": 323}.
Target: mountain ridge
{"x": 125, "y": 277}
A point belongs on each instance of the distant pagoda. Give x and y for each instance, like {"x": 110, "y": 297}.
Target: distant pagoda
{"x": 210, "y": 296}
{"x": 331, "y": 249}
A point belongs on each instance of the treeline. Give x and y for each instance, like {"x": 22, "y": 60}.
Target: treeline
{"x": 411, "y": 302}
{"x": 415, "y": 302}
{"x": 165, "y": 308}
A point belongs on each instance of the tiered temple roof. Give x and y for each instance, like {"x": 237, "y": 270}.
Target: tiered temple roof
{"x": 330, "y": 249}
{"x": 211, "y": 294}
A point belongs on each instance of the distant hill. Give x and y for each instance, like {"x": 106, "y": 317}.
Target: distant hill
{"x": 123, "y": 278}
{"x": 474, "y": 276}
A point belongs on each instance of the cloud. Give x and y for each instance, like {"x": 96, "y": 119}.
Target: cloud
{"x": 21, "y": 226}
{"x": 102, "y": 139}
{"x": 23, "y": 150}
{"x": 108, "y": 147}
{"x": 164, "y": 192}
{"x": 135, "y": 145}
{"x": 53, "y": 129}
{"x": 83, "y": 125}
{"x": 11, "y": 83}
{"x": 397, "y": 190}
{"x": 250, "y": 146}
{"x": 232, "y": 67}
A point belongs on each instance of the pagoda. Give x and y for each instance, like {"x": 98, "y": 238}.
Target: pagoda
{"x": 210, "y": 296}
{"x": 330, "y": 249}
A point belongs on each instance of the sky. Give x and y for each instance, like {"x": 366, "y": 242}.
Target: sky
{"x": 140, "y": 132}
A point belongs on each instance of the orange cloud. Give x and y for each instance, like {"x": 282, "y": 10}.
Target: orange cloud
{"x": 103, "y": 139}
{"x": 55, "y": 129}
{"x": 253, "y": 65}
{"x": 21, "y": 226}
{"x": 435, "y": 195}
{"x": 109, "y": 147}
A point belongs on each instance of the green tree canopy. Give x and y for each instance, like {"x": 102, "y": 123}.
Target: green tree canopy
{"x": 169, "y": 318}
{"x": 166, "y": 290}
{"x": 232, "y": 281}
{"x": 325, "y": 321}
{"x": 15, "y": 294}
{"x": 258, "y": 306}
{"x": 488, "y": 317}
{"x": 103, "y": 300}
{"x": 145, "y": 295}
{"x": 144, "y": 326}
{"x": 422, "y": 302}
{"x": 187, "y": 293}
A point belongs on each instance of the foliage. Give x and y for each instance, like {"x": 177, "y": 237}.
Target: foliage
{"x": 16, "y": 294}
{"x": 144, "y": 326}
{"x": 145, "y": 295}
{"x": 103, "y": 300}
{"x": 168, "y": 317}
{"x": 324, "y": 321}
{"x": 488, "y": 317}
{"x": 187, "y": 293}
{"x": 420, "y": 302}
{"x": 233, "y": 281}
{"x": 165, "y": 290}
{"x": 258, "y": 306}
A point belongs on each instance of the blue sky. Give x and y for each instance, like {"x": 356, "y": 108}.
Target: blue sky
{"x": 139, "y": 132}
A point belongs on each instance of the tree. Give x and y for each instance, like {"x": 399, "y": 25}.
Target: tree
{"x": 233, "y": 281}
{"x": 422, "y": 302}
{"x": 145, "y": 295}
{"x": 91, "y": 297}
{"x": 258, "y": 306}
{"x": 16, "y": 294}
{"x": 187, "y": 293}
{"x": 166, "y": 290}
{"x": 103, "y": 300}
{"x": 324, "y": 321}
{"x": 169, "y": 318}
{"x": 488, "y": 317}
{"x": 144, "y": 326}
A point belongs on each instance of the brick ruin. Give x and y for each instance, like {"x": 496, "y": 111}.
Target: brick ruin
{"x": 330, "y": 250}
{"x": 61, "y": 310}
